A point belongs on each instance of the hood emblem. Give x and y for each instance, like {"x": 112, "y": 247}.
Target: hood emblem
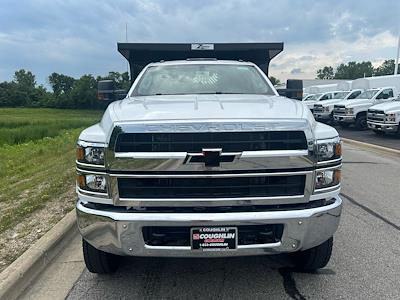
{"x": 211, "y": 157}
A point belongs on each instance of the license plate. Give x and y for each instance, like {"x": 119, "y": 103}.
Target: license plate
{"x": 214, "y": 238}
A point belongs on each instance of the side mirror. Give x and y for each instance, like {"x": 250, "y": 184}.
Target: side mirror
{"x": 294, "y": 89}
{"x": 106, "y": 91}
{"x": 385, "y": 96}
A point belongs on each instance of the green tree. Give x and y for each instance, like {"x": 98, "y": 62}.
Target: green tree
{"x": 354, "y": 70}
{"x": 274, "y": 80}
{"x": 60, "y": 83}
{"x": 7, "y": 94}
{"x": 24, "y": 87}
{"x": 386, "y": 68}
{"x": 325, "y": 73}
{"x": 84, "y": 91}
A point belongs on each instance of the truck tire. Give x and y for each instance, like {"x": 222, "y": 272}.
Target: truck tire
{"x": 361, "y": 122}
{"x": 97, "y": 261}
{"x": 314, "y": 258}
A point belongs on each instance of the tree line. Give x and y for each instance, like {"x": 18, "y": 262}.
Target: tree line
{"x": 66, "y": 91}
{"x": 353, "y": 70}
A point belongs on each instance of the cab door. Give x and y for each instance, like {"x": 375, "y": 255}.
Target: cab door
{"x": 384, "y": 96}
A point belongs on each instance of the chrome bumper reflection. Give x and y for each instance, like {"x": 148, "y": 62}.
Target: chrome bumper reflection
{"x": 121, "y": 233}
{"x": 383, "y": 127}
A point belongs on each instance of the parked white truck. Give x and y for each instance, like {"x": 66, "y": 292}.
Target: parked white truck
{"x": 203, "y": 158}
{"x": 323, "y": 110}
{"x": 376, "y": 90}
{"x": 385, "y": 117}
{"x": 316, "y": 98}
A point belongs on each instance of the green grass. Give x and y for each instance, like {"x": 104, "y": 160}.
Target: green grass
{"x": 37, "y": 155}
{"x": 19, "y": 125}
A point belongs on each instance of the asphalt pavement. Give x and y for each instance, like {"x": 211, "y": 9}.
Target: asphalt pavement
{"x": 368, "y": 136}
{"x": 365, "y": 262}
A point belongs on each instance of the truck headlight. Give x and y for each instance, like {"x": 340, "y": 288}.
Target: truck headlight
{"x": 90, "y": 153}
{"x": 92, "y": 182}
{"x": 329, "y": 149}
{"x": 391, "y": 117}
{"x": 349, "y": 110}
{"x": 327, "y": 178}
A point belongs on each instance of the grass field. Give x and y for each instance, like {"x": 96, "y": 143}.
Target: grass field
{"x": 37, "y": 155}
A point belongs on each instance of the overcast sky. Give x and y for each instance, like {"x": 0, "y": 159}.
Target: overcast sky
{"x": 79, "y": 37}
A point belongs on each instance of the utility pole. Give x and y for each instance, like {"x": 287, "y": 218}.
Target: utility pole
{"x": 396, "y": 63}
{"x": 126, "y": 40}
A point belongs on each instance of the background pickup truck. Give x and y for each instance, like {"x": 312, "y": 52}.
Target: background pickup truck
{"x": 203, "y": 158}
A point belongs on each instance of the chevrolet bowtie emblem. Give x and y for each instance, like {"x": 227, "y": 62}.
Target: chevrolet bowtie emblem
{"x": 211, "y": 157}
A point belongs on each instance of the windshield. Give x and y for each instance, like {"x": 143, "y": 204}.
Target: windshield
{"x": 369, "y": 94}
{"x": 201, "y": 79}
{"x": 340, "y": 95}
{"x": 313, "y": 97}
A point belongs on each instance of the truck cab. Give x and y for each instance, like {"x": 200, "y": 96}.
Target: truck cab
{"x": 323, "y": 111}
{"x": 316, "y": 98}
{"x": 203, "y": 158}
{"x": 385, "y": 117}
{"x": 355, "y": 111}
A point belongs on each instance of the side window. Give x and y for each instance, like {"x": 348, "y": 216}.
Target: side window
{"x": 354, "y": 94}
{"x": 326, "y": 97}
{"x": 385, "y": 94}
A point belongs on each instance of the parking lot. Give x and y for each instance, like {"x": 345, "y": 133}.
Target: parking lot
{"x": 368, "y": 136}
{"x": 365, "y": 262}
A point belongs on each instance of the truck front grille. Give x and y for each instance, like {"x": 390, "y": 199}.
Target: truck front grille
{"x": 339, "y": 110}
{"x": 180, "y": 236}
{"x": 318, "y": 108}
{"x": 376, "y": 116}
{"x": 217, "y": 187}
{"x": 195, "y": 142}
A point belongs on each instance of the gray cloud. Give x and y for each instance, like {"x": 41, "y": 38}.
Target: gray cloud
{"x": 77, "y": 37}
{"x": 296, "y": 71}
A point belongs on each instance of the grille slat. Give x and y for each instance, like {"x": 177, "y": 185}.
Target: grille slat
{"x": 265, "y": 186}
{"x": 195, "y": 142}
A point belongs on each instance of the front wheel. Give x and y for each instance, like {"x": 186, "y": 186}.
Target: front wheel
{"x": 361, "y": 122}
{"x": 314, "y": 258}
{"x": 98, "y": 261}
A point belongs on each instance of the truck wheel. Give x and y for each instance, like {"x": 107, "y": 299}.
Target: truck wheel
{"x": 314, "y": 258}
{"x": 361, "y": 122}
{"x": 97, "y": 261}
{"x": 378, "y": 132}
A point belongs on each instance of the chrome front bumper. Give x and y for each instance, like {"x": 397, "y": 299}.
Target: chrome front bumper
{"x": 121, "y": 233}
{"x": 391, "y": 128}
{"x": 344, "y": 118}
{"x": 322, "y": 115}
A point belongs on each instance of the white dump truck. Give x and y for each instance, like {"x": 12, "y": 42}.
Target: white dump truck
{"x": 203, "y": 158}
{"x": 376, "y": 90}
{"x": 385, "y": 117}
{"x": 320, "y": 97}
{"x": 323, "y": 110}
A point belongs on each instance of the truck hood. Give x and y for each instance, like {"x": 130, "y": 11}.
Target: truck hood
{"x": 196, "y": 107}
{"x": 207, "y": 108}
{"x": 355, "y": 102}
{"x": 388, "y": 106}
{"x": 329, "y": 102}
